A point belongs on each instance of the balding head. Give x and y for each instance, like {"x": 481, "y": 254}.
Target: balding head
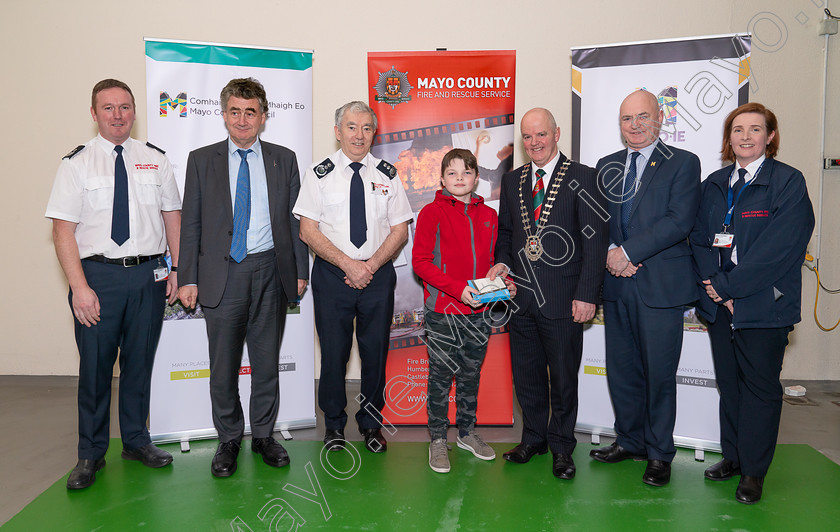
{"x": 540, "y": 135}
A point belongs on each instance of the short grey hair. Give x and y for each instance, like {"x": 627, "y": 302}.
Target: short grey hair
{"x": 354, "y": 107}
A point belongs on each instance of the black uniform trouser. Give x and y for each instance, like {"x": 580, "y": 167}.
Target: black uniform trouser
{"x": 748, "y": 363}
{"x": 337, "y": 305}
{"x": 131, "y": 317}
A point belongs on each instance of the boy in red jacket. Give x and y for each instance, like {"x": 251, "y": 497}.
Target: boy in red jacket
{"x": 454, "y": 242}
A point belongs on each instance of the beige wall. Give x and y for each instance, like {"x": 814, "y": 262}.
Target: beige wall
{"x": 54, "y": 50}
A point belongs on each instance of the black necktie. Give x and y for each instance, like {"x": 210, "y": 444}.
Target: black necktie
{"x": 119, "y": 213}
{"x": 358, "y": 222}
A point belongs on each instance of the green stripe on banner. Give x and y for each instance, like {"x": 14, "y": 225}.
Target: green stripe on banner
{"x": 212, "y": 54}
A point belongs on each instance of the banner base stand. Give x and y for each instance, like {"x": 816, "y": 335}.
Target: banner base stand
{"x": 185, "y": 446}
{"x": 286, "y": 435}
{"x": 184, "y": 437}
{"x": 596, "y": 439}
{"x": 699, "y": 455}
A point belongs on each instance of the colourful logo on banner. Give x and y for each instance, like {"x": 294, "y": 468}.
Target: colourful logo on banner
{"x": 179, "y": 101}
{"x": 392, "y": 88}
{"x": 668, "y": 102}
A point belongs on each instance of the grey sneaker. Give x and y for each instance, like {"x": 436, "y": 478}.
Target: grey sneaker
{"x": 438, "y": 457}
{"x": 474, "y": 444}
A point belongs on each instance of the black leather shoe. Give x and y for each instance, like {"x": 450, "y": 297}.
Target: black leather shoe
{"x": 84, "y": 473}
{"x": 224, "y": 463}
{"x": 722, "y": 470}
{"x": 272, "y": 452}
{"x": 374, "y": 441}
{"x": 657, "y": 473}
{"x": 614, "y": 453}
{"x": 524, "y": 452}
{"x": 563, "y": 466}
{"x": 334, "y": 439}
{"x": 749, "y": 489}
{"x": 149, "y": 454}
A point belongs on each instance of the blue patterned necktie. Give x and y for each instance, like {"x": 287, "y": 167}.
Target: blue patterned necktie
{"x": 241, "y": 210}
{"x": 358, "y": 222}
{"x": 119, "y": 214}
{"x": 627, "y": 194}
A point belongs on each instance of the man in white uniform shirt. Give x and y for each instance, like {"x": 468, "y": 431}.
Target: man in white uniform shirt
{"x": 354, "y": 215}
{"x": 115, "y": 207}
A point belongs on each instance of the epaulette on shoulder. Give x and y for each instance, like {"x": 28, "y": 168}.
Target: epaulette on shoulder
{"x": 76, "y": 150}
{"x": 324, "y": 167}
{"x": 149, "y": 144}
{"x": 387, "y": 169}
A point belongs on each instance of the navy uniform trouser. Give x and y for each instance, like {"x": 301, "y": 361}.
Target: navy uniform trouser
{"x": 748, "y": 363}
{"x": 337, "y": 305}
{"x": 131, "y": 317}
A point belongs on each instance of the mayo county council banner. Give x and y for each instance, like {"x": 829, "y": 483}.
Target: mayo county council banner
{"x": 698, "y": 82}
{"x": 183, "y": 83}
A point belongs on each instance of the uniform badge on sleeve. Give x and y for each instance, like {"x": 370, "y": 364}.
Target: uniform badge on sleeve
{"x": 324, "y": 167}
{"x": 387, "y": 169}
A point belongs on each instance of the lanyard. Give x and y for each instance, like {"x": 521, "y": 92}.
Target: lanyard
{"x": 730, "y": 201}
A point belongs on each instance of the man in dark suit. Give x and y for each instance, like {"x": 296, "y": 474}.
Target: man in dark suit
{"x": 553, "y": 235}
{"x": 244, "y": 262}
{"x": 654, "y": 191}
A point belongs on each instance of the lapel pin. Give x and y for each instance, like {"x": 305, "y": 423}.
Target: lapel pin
{"x": 653, "y": 163}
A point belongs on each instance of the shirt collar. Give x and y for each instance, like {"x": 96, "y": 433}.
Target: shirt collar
{"x": 751, "y": 169}
{"x": 549, "y": 167}
{"x": 108, "y": 146}
{"x": 342, "y": 161}
{"x": 646, "y": 152}
{"x": 255, "y": 147}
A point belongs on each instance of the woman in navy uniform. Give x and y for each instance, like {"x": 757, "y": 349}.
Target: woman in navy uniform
{"x": 753, "y": 225}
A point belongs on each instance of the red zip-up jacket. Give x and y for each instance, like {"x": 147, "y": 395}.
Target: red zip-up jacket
{"x": 453, "y": 243}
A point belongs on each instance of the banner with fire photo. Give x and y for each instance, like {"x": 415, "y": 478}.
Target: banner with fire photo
{"x": 428, "y": 103}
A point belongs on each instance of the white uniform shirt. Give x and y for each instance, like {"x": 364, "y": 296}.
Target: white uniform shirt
{"x": 326, "y": 200}
{"x": 83, "y": 193}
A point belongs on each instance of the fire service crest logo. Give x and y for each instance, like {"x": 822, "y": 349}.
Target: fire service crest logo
{"x": 393, "y": 87}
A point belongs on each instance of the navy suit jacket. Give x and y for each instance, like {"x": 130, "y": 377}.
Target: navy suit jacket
{"x": 575, "y": 236}
{"x": 207, "y": 220}
{"x": 663, "y": 213}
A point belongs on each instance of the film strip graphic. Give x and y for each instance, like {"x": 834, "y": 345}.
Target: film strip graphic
{"x": 414, "y": 341}
{"x": 444, "y": 129}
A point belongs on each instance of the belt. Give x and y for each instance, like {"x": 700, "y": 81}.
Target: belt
{"x": 124, "y": 261}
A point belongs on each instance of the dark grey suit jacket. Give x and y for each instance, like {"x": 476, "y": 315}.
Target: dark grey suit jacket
{"x": 207, "y": 220}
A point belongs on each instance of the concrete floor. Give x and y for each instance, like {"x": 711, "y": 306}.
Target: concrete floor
{"x": 39, "y": 444}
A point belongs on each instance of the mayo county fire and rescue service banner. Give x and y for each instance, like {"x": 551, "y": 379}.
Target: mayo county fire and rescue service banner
{"x": 428, "y": 103}
{"x": 183, "y": 84}
{"x": 698, "y": 82}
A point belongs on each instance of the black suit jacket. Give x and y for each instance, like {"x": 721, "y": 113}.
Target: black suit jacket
{"x": 207, "y": 220}
{"x": 663, "y": 213}
{"x": 575, "y": 241}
